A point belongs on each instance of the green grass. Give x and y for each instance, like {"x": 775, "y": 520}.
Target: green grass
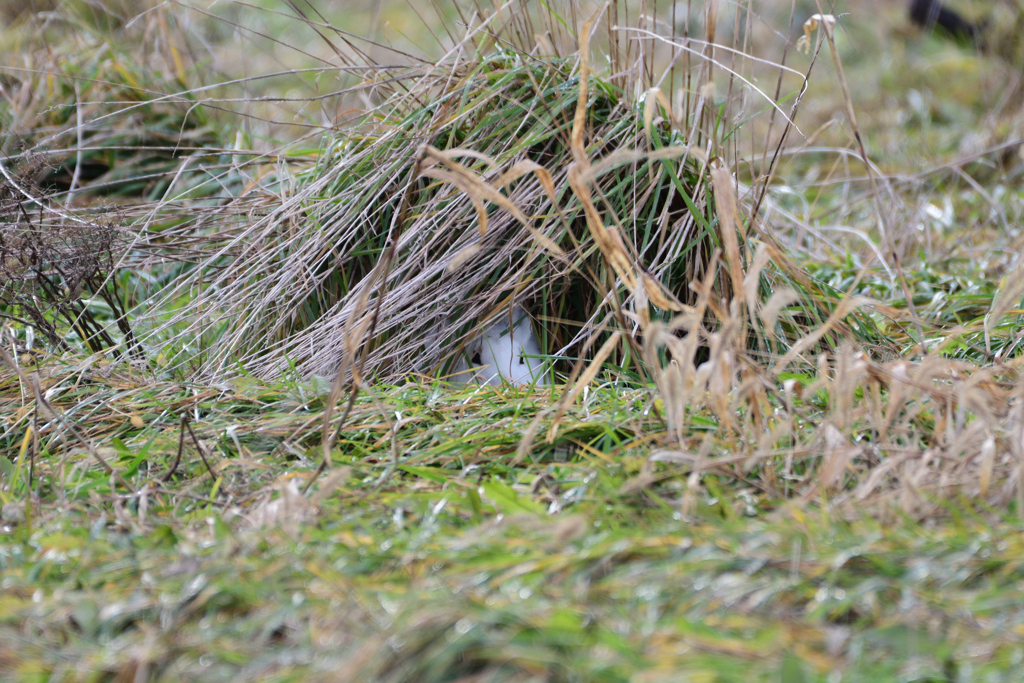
{"x": 451, "y": 563}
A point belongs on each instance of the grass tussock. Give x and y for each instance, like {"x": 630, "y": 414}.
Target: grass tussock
{"x": 468, "y": 190}
{"x": 508, "y": 172}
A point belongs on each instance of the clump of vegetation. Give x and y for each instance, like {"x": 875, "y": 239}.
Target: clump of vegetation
{"x": 51, "y": 261}
{"x": 104, "y": 151}
{"x": 451, "y": 200}
{"x": 495, "y": 177}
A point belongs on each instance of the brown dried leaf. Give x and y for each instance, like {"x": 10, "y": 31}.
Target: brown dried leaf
{"x": 728, "y": 222}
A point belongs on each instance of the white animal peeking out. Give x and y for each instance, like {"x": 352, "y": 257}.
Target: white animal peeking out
{"x": 503, "y": 354}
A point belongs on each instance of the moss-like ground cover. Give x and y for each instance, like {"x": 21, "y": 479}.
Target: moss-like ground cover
{"x": 576, "y": 564}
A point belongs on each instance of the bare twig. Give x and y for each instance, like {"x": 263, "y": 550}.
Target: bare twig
{"x": 181, "y": 446}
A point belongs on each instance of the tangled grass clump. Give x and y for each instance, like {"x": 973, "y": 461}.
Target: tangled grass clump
{"x": 495, "y": 178}
{"x": 470, "y": 196}
{"x": 53, "y": 262}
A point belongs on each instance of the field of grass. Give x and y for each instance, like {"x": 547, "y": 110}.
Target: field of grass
{"x": 242, "y": 246}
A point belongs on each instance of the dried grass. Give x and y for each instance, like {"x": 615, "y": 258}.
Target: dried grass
{"x": 497, "y": 177}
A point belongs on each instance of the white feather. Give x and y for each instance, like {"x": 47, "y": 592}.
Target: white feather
{"x": 505, "y": 354}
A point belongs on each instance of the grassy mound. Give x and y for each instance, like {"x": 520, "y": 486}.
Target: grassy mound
{"x": 496, "y": 177}
{"x": 452, "y": 201}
